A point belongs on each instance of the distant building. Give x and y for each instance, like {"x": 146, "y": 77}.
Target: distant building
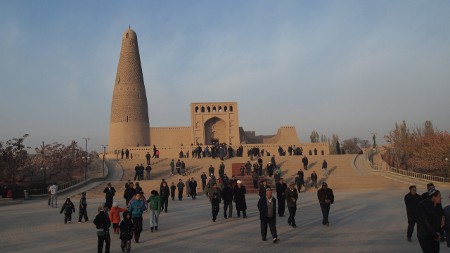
{"x": 211, "y": 122}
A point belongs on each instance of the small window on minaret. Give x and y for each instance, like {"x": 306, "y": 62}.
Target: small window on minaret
{"x": 127, "y": 118}
{"x": 231, "y": 108}
{"x": 126, "y": 36}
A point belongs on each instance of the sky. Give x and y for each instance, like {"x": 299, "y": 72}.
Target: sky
{"x": 350, "y": 68}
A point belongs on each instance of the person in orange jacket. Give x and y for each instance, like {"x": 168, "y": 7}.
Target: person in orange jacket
{"x": 114, "y": 216}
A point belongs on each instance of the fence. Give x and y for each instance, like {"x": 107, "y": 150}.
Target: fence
{"x": 385, "y": 167}
{"x": 60, "y": 187}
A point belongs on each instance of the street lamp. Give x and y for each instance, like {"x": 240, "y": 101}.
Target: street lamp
{"x": 45, "y": 175}
{"x": 446, "y": 168}
{"x": 87, "y": 156}
{"x": 104, "y": 151}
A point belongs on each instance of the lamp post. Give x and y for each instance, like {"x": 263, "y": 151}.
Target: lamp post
{"x": 446, "y": 168}
{"x": 104, "y": 151}
{"x": 87, "y": 156}
{"x": 45, "y": 174}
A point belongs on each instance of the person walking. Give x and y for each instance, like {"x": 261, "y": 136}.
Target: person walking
{"x": 305, "y": 162}
{"x": 326, "y": 198}
{"x": 109, "y": 195}
{"x": 281, "y": 191}
{"x": 324, "y": 168}
{"x": 148, "y": 169}
{"x": 114, "y": 216}
{"x": 314, "y": 179}
{"x": 227, "y": 196}
{"x": 429, "y": 221}
{"x": 255, "y": 177}
{"x": 126, "y": 232}
{"x": 172, "y": 190}
{"x": 262, "y": 188}
{"x": 147, "y": 156}
{"x": 239, "y": 199}
{"x": 137, "y": 208}
{"x": 53, "y": 195}
{"x": 172, "y": 167}
{"x": 214, "y": 198}
{"x": 300, "y": 180}
{"x": 193, "y": 188}
{"x": 154, "y": 204}
{"x": 412, "y": 200}
{"x": 68, "y": 208}
{"x": 267, "y": 206}
{"x": 203, "y": 177}
{"x": 165, "y": 193}
{"x": 102, "y": 223}
{"x": 180, "y": 187}
{"x": 82, "y": 211}
{"x": 291, "y": 200}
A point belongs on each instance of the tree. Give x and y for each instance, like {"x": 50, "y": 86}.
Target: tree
{"x": 314, "y": 137}
{"x": 334, "y": 141}
{"x": 13, "y": 155}
{"x": 422, "y": 150}
{"x": 351, "y": 146}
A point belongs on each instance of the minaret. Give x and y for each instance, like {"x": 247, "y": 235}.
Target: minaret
{"x": 129, "y": 126}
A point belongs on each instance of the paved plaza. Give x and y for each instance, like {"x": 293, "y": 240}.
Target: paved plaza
{"x": 361, "y": 221}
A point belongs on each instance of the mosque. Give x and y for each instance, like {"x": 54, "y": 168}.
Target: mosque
{"x": 211, "y": 122}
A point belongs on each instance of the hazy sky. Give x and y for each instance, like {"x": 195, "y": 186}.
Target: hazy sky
{"x": 345, "y": 67}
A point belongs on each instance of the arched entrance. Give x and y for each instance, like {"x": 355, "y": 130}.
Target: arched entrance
{"x": 215, "y": 131}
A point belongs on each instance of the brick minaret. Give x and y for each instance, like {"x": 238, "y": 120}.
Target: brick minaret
{"x": 129, "y": 126}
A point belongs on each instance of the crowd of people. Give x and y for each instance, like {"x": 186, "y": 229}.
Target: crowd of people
{"x": 433, "y": 221}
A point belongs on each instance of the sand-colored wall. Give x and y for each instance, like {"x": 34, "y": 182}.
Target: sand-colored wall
{"x": 285, "y": 135}
{"x": 170, "y": 136}
{"x": 173, "y": 151}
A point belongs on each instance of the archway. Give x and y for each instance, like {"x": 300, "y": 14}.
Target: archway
{"x": 215, "y": 131}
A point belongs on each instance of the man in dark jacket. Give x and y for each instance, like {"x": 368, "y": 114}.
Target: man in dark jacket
{"x": 262, "y": 188}
{"x": 129, "y": 193}
{"x": 165, "y": 193}
{"x": 203, "y": 177}
{"x": 239, "y": 199}
{"x": 267, "y": 206}
{"x": 305, "y": 163}
{"x": 291, "y": 199}
{"x": 227, "y": 196}
{"x": 314, "y": 179}
{"x": 109, "y": 195}
{"x": 412, "y": 199}
{"x": 281, "y": 190}
{"x": 326, "y": 198}
{"x": 83, "y": 208}
{"x": 193, "y": 188}
{"x": 102, "y": 223}
{"x": 214, "y": 198}
{"x": 429, "y": 220}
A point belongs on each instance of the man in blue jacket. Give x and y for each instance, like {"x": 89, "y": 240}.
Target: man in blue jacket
{"x": 137, "y": 208}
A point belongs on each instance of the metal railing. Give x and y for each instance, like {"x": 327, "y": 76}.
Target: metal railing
{"x": 418, "y": 175}
{"x": 60, "y": 187}
{"x": 385, "y": 167}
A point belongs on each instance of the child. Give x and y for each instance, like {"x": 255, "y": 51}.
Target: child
{"x": 172, "y": 190}
{"x": 114, "y": 216}
{"x": 68, "y": 209}
{"x": 126, "y": 232}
